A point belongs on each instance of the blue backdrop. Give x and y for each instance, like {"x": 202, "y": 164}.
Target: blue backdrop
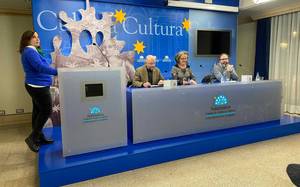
{"x": 158, "y": 26}
{"x": 210, "y": 20}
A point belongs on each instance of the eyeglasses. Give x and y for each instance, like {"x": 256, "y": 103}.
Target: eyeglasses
{"x": 223, "y": 58}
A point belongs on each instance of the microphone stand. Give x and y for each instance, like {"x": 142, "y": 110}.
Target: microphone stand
{"x": 99, "y": 48}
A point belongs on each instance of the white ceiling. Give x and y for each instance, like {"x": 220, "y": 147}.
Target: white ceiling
{"x": 248, "y": 9}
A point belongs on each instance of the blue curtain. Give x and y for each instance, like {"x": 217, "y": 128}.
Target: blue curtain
{"x": 262, "y": 54}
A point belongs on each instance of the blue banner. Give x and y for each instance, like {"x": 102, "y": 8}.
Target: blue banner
{"x": 159, "y": 30}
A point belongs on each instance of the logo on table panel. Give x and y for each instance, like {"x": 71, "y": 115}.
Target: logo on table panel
{"x": 94, "y": 114}
{"x": 220, "y": 108}
{"x": 221, "y": 100}
{"x": 95, "y": 110}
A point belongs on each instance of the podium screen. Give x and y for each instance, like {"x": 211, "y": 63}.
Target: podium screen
{"x": 93, "y": 90}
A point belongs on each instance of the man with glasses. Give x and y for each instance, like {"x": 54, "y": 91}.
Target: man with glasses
{"x": 224, "y": 70}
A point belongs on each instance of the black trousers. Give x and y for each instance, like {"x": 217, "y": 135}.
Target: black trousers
{"x": 42, "y": 108}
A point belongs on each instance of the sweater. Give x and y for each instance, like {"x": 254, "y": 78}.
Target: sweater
{"x": 37, "y": 70}
{"x": 182, "y": 74}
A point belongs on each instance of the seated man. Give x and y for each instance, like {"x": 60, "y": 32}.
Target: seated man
{"x": 224, "y": 69}
{"x": 148, "y": 74}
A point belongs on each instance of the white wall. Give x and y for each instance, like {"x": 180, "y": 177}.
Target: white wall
{"x": 246, "y": 48}
{"x": 12, "y": 92}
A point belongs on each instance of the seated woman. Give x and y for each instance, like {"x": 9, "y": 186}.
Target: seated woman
{"x": 182, "y": 71}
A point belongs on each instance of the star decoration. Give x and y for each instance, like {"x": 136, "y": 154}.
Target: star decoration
{"x": 139, "y": 47}
{"x": 186, "y": 24}
{"x": 120, "y": 16}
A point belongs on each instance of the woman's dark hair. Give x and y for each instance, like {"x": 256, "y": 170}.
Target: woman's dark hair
{"x": 25, "y": 39}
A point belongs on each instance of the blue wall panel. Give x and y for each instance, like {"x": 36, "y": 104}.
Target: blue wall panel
{"x": 210, "y": 20}
{"x": 159, "y": 28}
{"x": 152, "y": 3}
{"x": 227, "y": 2}
{"x": 47, "y": 24}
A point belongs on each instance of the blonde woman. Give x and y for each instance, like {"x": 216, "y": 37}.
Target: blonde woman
{"x": 182, "y": 71}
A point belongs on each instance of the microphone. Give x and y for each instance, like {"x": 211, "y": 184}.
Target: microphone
{"x": 100, "y": 49}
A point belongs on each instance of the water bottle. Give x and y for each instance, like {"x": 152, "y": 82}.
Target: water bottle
{"x": 223, "y": 79}
{"x": 257, "y": 78}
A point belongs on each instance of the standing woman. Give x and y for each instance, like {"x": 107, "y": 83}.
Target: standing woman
{"x": 182, "y": 71}
{"x": 37, "y": 83}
